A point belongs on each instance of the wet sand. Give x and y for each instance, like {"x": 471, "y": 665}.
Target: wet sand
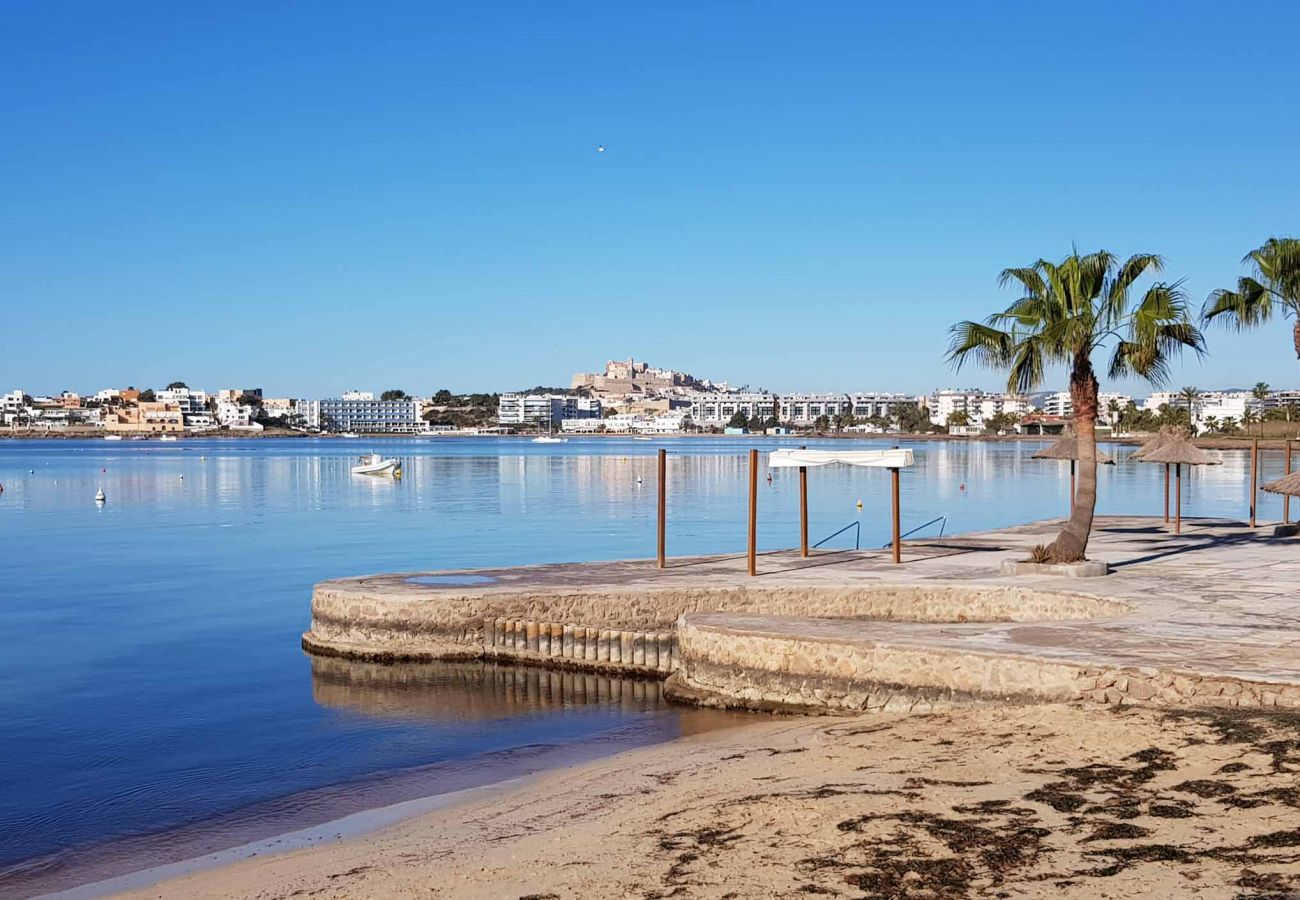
{"x": 1035, "y": 801}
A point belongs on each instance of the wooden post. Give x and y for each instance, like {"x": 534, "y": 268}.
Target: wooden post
{"x": 753, "y": 512}
{"x": 1071, "y": 487}
{"x": 663, "y": 505}
{"x": 803, "y": 509}
{"x": 1178, "y": 498}
{"x": 1254, "y": 477}
{"x": 1286, "y": 498}
{"x": 898, "y": 542}
{"x": 1166, "y": 493}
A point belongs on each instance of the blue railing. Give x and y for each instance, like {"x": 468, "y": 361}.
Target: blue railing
{"x": 943, "y": 519}
{"x": 857, "y": 538}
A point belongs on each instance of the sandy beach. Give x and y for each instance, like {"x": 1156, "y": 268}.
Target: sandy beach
{"x": 1028, "y": 801}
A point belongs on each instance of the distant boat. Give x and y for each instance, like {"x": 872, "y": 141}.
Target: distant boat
{"x": 112, "y": 437}
{"x": 167, "y": 437}
{"x": 349, "y": 434}
{"x": 99, "y": 496}
{"x": 643, "y": 437}
{"x": 374, "y": 464}
{"x": 549, "y": 437}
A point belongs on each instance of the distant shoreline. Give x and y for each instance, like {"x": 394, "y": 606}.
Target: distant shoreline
{"x": 1217, "y": 442}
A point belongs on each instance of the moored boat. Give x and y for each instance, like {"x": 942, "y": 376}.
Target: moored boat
{"x": 374, "y": 464}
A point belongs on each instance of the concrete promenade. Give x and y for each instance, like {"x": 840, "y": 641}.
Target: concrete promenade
{"x": 1211, "y": 617}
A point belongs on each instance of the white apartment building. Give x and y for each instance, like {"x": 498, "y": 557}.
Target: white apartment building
{"x": 544, "y": 409}
{"x": 1058, "y": 404}
{"x": 991, "y": 405}
{"x": 630, "y": 423}
{"x": 12, "y": 402}
{"x": 717, "y": 408}
{"x": 193, "y": 406}
{"x": 108, "y": 395}
{"x": 1281, "y": 399}
{"x": 976, "y": 404}
{"x": 1224, "y": 405}
{"x": 308, "y": 412}
{"x": 358, "y": 395}
{"x": 235, "y": 415}
{"x": 943, "y": 403}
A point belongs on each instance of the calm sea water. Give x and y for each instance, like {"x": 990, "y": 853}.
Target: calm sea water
{"x": 151, "y": 679}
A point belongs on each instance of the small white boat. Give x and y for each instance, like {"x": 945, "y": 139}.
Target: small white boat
{"x": 167, "y": 437}
{"x": 349, "y": 434}
{"x": 643, "y": 437}
{"x": 550, "y": 439}
{"x": 374, "y": 464}
{"x": 112, "y": 437}
{"x": 99, "y": 496}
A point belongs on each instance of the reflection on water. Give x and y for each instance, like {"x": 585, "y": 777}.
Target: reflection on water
{"x": 394, "y": 696}
{"x": 152, "y": 676}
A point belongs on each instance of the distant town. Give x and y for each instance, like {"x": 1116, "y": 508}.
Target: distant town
{"x": 630, "y": 397}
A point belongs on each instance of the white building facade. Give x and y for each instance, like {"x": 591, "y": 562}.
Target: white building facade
{"x": 545, "y": 409}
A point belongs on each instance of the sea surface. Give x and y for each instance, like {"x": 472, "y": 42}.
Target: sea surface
{"x": 155, "y": 702}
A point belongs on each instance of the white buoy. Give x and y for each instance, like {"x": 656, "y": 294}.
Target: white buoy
{"x": 99, "y": 496}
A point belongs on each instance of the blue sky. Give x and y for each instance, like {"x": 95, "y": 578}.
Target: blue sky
{"x": 316, "y": 196}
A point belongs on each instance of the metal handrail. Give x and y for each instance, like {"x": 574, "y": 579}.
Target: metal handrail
{"x": 943, "y": 519}
{"x": 857, "y": 539}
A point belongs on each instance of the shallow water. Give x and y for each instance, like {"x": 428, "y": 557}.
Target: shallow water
{"x": 152, "y": 678}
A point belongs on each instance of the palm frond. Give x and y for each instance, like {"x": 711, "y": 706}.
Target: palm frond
{"x": 1249, "y": 305}
{"x": 982, "y": 344}
{"x": 1027, "y": 367}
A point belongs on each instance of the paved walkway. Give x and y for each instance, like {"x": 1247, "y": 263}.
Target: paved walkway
{"x": 1219, "y": 600}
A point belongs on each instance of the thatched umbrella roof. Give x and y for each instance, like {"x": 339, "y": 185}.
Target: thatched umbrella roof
{"x": 1178, "y": 450}
{"x": 1067, "y": 447}
{"x": 1155, "y": 441}
{"x": 1289, "y": 484}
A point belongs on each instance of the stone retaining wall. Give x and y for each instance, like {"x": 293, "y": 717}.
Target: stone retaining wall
{"x": 724, "y": 666}
{"x": 393, "y": 619}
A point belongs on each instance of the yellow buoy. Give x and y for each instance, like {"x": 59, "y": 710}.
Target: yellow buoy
{"x": 859, "y": 504}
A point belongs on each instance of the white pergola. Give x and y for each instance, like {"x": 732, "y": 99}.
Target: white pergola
{"x": 893, "y": 459}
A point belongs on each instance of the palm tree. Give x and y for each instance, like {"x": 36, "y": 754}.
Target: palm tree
{"x": 1068, "y": 311}
{"x": 1211, "y": 424}
{"x": 1274, "y": 288}
{"x": 1190, "y": 397}
{"x": 1113, "y": 409}
{"x": 1249, "y": 418}
{"x": 1260, "y": 392}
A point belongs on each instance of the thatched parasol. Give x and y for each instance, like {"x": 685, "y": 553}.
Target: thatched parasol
{"x": 1288, "y": 485}
{"x": 1178, "y": 451}
{"x": 1154, "y": 443}
{"x": 1067, "y": 447}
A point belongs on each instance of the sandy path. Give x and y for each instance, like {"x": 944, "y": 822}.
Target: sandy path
{"x": 1041, "y": 801}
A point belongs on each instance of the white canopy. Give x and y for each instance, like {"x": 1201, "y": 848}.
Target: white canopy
{"x": 883, "y": 459}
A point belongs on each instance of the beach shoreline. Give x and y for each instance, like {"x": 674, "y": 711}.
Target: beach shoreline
{"x": 1104, "y": 801}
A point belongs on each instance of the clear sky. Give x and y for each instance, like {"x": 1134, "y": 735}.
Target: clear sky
{"x": 314, "y": 196}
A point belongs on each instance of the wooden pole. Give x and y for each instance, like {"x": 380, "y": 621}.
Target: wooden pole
{"x": 1254, "y": 477}
{"x": 898, "y": 542}
{"x": 1166, "y": 493}
{"x": 1178, "y": 498}
{"x": 1071, "y": 487}
{"x": 663, "y": 507}
{"x": 1286, "y": 498}
{"x": 803, "y": 509}
{"x": 753, "y": 512}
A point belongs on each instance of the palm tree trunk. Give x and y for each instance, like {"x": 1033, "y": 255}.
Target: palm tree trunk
{"x": 1071, "y": 544}
{"x": 1295, "y": 336}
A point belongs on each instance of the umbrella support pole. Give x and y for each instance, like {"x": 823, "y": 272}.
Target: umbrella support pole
{"x": 663, "y": 507}
{"x": 1286, "y": 498}
{"x": 1071, "y": 487}
{"x": 1254, "y": 477}
{"x": 1178, "y": 498}
{"x": 1166, "y": 493}
{"x": 753, "y": 512}
{"x": 898, "y": 541}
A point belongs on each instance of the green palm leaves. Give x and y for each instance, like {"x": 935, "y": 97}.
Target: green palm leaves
{"x": 1069, "y": 310}
{"x": 1273, "y": 288}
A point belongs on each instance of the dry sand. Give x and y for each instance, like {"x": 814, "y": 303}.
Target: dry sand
{"x": 1038, "y": 801}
